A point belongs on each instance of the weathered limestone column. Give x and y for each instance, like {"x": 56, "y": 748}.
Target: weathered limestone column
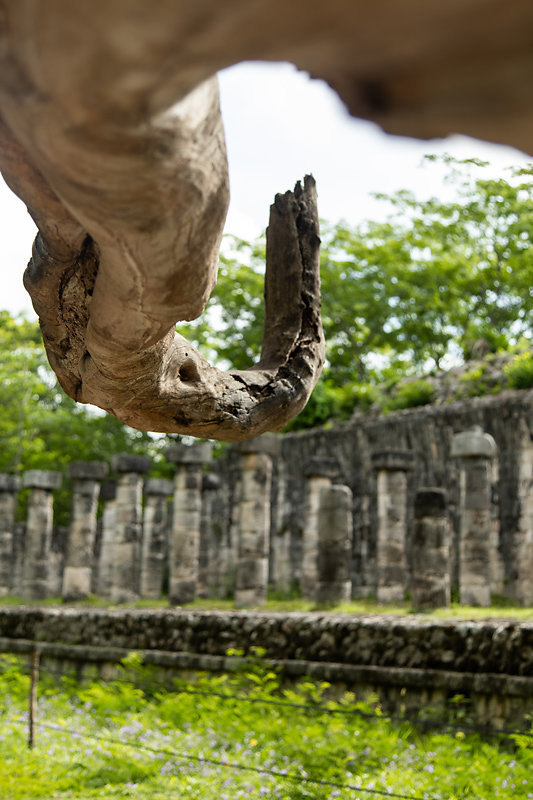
{"x": 475, "y": 449}
{"x": 520, "y": 570}
{"x": 282, "y": 575}
{"x": 56, "y": 559}
{"x": 154, "y": 551}
{"x": 9, "y": 486}
{"x": 86, "y": 479}
{"x": 106, "y": 559}
{"x": 392, "y": 467}
{"x": 35, "y": 569}
{"x": 19, "y": 548}
{"x": 185, "y": 532}
{"x": 209, "y": 558}
{"x": 335, "y": 534}
{"x": 251, "y": 582}
{"x": 126, "y": 548}
{"x": 430, "y": 579}
{"x": 320, "y": 472}
{"x": 223, "y": 507}
{"x": 364, "y": 549}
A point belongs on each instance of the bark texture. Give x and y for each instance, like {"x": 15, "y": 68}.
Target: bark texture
{"x": 110, "y": 132}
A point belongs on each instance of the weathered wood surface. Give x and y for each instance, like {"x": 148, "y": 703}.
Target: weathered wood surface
{"x": 111, "y": 133}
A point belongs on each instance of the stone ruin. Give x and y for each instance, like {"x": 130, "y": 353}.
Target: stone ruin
{"x": 428, "y": 502}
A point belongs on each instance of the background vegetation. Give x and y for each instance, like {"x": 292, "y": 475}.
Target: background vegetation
{"x": 120, "y": 740}
{"x": 436, "y": 284}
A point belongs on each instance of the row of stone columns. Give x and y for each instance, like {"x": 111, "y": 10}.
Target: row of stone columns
{"x": 430, "y": 562}
{"x": 328, "y": 512}
{"x": 135, "y": 549}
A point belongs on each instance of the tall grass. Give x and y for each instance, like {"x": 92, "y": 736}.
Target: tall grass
{"x": 135, "y": 740}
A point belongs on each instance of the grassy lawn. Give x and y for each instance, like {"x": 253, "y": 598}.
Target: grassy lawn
{"x": 499, "y": 609}
{"x": 125, "y": 740}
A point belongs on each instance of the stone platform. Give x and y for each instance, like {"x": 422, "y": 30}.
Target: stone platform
{"x": 411, "y": 662}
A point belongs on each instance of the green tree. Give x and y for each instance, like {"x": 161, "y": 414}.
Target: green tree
{"x": 400, "y": 296}
{"x": 40, "y": 426}
{"x": 436, "y": 276}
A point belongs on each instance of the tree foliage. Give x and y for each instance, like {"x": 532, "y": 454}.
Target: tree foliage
{"x": 435, "y": 282}
{"x": 431, "y": 283}
{"x": 40, "y": 426}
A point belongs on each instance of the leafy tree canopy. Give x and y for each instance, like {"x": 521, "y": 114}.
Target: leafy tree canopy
{"x": 40, "y": 426}
{"x": 435, "y": 282}
{"x": 400, "y": 297}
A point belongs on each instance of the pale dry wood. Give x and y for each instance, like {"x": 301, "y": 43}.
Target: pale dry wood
{"x": 112, "y": 135}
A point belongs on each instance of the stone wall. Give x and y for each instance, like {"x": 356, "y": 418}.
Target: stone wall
{"x": 405, "y": 659}
{"x": 254, "y": 514}
{"x": 427, "y": 432}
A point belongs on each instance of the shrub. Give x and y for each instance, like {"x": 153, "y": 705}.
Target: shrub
{"x": 412, "y": 394}
{"x": 473, "y": 383}
{"x": 519, "y": 371}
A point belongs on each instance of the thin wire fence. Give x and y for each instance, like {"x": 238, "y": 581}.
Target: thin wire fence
{"x": 187, "y": 757}
{"x": 35, "y": 668}
{"x": 445, "y": 723}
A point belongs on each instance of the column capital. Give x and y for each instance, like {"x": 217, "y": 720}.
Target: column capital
{"x": 393, "y": 460}
{"x": 87, "y": 470}
{"x": 42, "y": 479}
{"x": 198, "y": 453}
{"x": 124, "y": 462}
{"x": 9, "y": 483}
{"x": 473, "y": 443}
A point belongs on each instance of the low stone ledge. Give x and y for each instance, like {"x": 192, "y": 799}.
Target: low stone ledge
{"x": 347, "y": 674}
{"x": 484, "y": 647}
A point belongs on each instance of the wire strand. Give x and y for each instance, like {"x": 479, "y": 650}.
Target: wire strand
{"x": 440, "y": 723}
{"x": 230, "y": 765}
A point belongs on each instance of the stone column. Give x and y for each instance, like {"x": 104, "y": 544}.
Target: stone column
{"x": 519, "y": 584}
{"x": 223, "y": 507}
{"x": 86, "y": 479}
{"x": 335, "y": 534}
{"x": 251, "y": 582}
{"x": 475, "y": 449}
{"x": 364, "y": 549}
{"x": 430, "y": 579}
{"x": 155, "y": 536}
{"x": 19, "y": 548}
{"x": 185, "y": 532}
{"x": 280, "y": 577}
{"x": 209, "y": 560}
{"x": 106, "y": 557}
{"x": 35, "y": 568}
{"x": 9, "y": 486}
{"x": 56, "y": 560}
{"x": 126, "y": 548}
{"x": 392, "y": 467}
{"x": 320, "y": 472}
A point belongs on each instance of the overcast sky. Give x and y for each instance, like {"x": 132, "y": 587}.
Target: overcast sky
{"x": 279, "y": 126}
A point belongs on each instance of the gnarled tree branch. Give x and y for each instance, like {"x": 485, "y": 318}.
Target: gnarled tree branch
{"x": 111, "y": 133}
{"x": 168, "y": 386}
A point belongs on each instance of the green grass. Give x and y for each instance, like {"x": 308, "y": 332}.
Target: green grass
{"x": 86, "y": 752}
{"x": 500, "y": 608}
